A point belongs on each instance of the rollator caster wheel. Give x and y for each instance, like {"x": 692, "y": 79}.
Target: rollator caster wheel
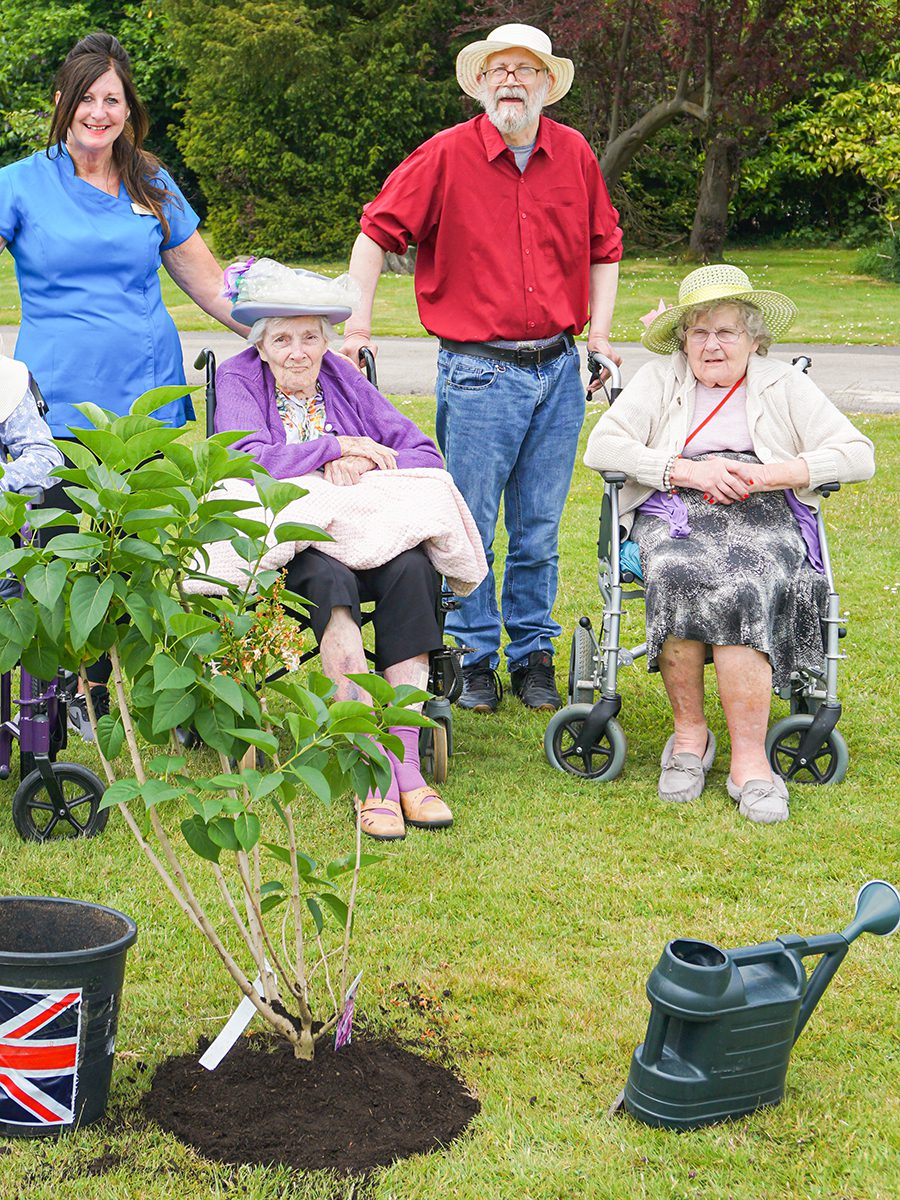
{"x": 601, "y": 762}
{"x": 434, "y": 751}
{"x": 36, "y": 817}
{"x": 581, "y": 666}
{"x": 783, "y": 743}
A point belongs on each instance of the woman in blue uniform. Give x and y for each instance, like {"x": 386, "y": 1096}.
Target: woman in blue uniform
{"x": 88, "y": 222}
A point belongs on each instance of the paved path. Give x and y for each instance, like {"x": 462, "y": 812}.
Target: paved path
{"x": 856, "y": 378}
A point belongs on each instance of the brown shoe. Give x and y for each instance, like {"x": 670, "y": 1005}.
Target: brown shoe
{"x": 424, "y": 808}
{"x": 382, "y": 819}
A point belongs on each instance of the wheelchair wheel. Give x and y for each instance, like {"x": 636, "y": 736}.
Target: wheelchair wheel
{"x": 581, "y": 666}
{"x": 36, "y": 818}
{"x": 601, "y": 762}
{"x": 829, "y": 765}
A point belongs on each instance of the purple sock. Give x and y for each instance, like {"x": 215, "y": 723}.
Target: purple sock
{"x": 393, "y": 792}
{"x": 408, "y": 773}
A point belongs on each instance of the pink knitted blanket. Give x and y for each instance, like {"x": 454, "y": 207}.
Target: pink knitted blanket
{"x": 371, "y": 522}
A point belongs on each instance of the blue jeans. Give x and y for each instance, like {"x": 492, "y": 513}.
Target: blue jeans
{"x": 512, "y": 432}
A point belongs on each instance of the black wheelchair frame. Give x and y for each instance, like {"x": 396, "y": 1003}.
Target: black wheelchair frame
{"x": 445, "y": 682}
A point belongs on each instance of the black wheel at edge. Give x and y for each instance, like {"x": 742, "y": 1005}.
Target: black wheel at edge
{"x": 581, "y": 666}
{"x": 601, "y": 762}
{"x": 829, "y": 765}
{"x": 34, "y": 815}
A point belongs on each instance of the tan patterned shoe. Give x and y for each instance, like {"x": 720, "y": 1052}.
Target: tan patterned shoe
{"x": 382, "y": 819}
{"x": 424, "y": 808}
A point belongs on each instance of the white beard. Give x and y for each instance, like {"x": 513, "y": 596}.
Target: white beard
{"x": 509, "y": 119}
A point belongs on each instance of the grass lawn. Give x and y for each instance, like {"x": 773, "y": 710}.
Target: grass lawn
{"x": 835, "y": 304}
{"x": 529, "y": 930}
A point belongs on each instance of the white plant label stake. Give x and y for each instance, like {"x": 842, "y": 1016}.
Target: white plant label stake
{"x": 234, "y": 1027}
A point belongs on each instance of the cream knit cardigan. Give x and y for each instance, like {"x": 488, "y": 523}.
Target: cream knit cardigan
{"x": 788, "y": 417}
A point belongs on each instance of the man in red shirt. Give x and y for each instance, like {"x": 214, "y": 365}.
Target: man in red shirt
{"x": 516, "y": 243}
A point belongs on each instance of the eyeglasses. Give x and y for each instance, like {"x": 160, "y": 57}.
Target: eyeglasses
{"x": 725, "y": 337}
{"x": 521, "y": 74}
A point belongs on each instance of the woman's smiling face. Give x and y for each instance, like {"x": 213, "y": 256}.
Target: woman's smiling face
{"x": 294, "y": 348}
{"x": 101, "y": 115}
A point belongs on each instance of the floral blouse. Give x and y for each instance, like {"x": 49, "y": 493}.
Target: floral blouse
{"x": 304, "y": 419}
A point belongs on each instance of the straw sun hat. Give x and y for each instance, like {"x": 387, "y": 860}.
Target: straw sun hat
{"x": 470, "y": 60}
{"x": 707, "y": 285}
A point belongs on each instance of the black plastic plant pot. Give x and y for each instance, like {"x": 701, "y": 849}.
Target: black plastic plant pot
{"x": 62, "y": 963}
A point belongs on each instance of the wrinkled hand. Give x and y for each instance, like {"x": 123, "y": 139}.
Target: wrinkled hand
{"x": 719, "y": 479}
{"x": 383, "y": 457}
{"x": 600, "y": 345}
{"x": 353, "y": 343}
{"x": 348, "y": 469}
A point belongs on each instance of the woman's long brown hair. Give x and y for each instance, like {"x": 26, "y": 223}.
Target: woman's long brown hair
{"x": 92, "y": 57}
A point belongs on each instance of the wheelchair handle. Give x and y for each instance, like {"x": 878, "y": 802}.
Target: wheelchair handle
{"x": 597, "y": 363}
{"x": 367, "y": 361}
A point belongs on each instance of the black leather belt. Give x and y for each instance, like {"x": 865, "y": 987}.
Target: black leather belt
{"x": 524, "y": 356}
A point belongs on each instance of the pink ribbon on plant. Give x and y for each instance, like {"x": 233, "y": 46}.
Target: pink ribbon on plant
{"x": 232, "y": 274}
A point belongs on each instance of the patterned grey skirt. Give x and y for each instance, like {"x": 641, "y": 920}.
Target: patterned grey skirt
{"x": 740, "y": 579}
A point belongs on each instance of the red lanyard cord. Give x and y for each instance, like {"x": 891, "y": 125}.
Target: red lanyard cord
{"x": 706, "y": 420}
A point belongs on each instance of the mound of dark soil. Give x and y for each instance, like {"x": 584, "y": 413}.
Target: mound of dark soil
{"x": 347, "y": 1111}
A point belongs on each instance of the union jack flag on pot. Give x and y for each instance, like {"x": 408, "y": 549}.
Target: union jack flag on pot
{"x": 39, "y": 1041}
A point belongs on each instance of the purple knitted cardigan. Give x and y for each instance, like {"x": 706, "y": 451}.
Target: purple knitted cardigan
{"x": 245, "y": 400}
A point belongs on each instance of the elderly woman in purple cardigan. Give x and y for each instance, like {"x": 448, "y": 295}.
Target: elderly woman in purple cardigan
{"x": 310, "y": 410}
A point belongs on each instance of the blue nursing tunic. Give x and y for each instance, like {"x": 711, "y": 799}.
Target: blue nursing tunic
{"x": 94, "y": 327}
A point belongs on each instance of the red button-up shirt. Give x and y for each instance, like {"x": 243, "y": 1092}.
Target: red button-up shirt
{"x": 501, "y": 254}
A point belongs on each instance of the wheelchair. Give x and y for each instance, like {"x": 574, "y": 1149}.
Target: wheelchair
{"x": 54, "y": 800}
{"x": 445, "y": 680}
{"x": 586, "y": 739}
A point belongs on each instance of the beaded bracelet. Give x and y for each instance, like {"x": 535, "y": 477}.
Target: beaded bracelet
{"x": 668, "y": 486}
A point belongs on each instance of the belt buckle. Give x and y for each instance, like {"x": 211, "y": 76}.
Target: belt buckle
{"x": 527, "y": 354}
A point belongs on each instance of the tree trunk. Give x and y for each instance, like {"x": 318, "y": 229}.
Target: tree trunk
{"x": 400, "y": 264}
{"x": 711, "y": 216}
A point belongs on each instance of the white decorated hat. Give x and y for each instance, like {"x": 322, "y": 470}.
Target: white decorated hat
{"x": 265, "y": 288}
{"x": 470, "y": 60}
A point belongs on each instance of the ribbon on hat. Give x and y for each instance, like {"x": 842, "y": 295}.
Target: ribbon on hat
{"x": 648, "y": 318}
{"x": 232, "y": 274}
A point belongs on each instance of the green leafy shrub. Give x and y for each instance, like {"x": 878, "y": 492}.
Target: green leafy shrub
{"x": 119, "y": 582}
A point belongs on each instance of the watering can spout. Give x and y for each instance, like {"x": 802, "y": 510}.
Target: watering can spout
{"x": 877, "y": 911}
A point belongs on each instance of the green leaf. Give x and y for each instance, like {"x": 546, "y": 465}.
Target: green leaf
{"x": 79, "y": 547}
{"x": 291, "y": 531}
{"x": 340, "y": 866}
{"x": 405, "y": 716}
{"x": 316, "y": 914}
{"x": 338, "y": 908}
{"x": 266, "y": 785}
{"x": 222, "y": 831}
{"x": 110, "y": 735}
{"x": 278, "y": 852}
{"x": 167, "y": 764}
{"x": 39, "y": 660}
{"x": 121, "y": 792}
{"x": 157, "y": 791}
{"x": 157, "y": 398}
{"x": 79, "y": 454}
{"x": 228, "y": 691}
{"x": 277, "y": 494}
{"x": 171, "y": 709}
{"x": 18, "y": 622}
{"x": 169, "y": 675}
{"x": 45, "y": 581}
{"x": 141, "y": 613}
{"x": 258, "y": 738}
{"x": 194, "y": 831}
{"x": 315, "y": 781}
{"x": 270, "y": 902}
{"x": 247, "y": 828}
{"x": 213, "y": 726}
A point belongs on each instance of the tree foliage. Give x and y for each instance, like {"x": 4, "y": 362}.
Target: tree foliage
{"x": 295, "y": 113}
{"x": 37, "y": 35}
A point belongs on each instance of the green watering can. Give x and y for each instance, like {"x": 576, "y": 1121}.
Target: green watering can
{"x": 723, "y": 1022}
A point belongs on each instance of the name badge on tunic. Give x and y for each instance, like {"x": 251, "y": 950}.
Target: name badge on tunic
{"x": 140, "y": 210}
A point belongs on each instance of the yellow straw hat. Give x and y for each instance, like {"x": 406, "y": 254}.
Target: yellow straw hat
{"x": 470, "y": 60}
{"x": 707, "y": 285}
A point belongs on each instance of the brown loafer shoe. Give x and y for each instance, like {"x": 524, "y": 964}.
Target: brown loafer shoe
{"x": 382, "y": 819}
{"x": 424, "y": 808}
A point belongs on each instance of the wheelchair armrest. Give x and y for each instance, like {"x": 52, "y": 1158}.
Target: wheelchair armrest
{"x": 32, "y": 492}
{"x": 827, "y": 488}
{"x": 617, "y": 477}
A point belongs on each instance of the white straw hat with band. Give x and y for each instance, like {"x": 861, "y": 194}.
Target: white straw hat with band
{"x": 470, "y": 60}
{"x": 710, "y": 285}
